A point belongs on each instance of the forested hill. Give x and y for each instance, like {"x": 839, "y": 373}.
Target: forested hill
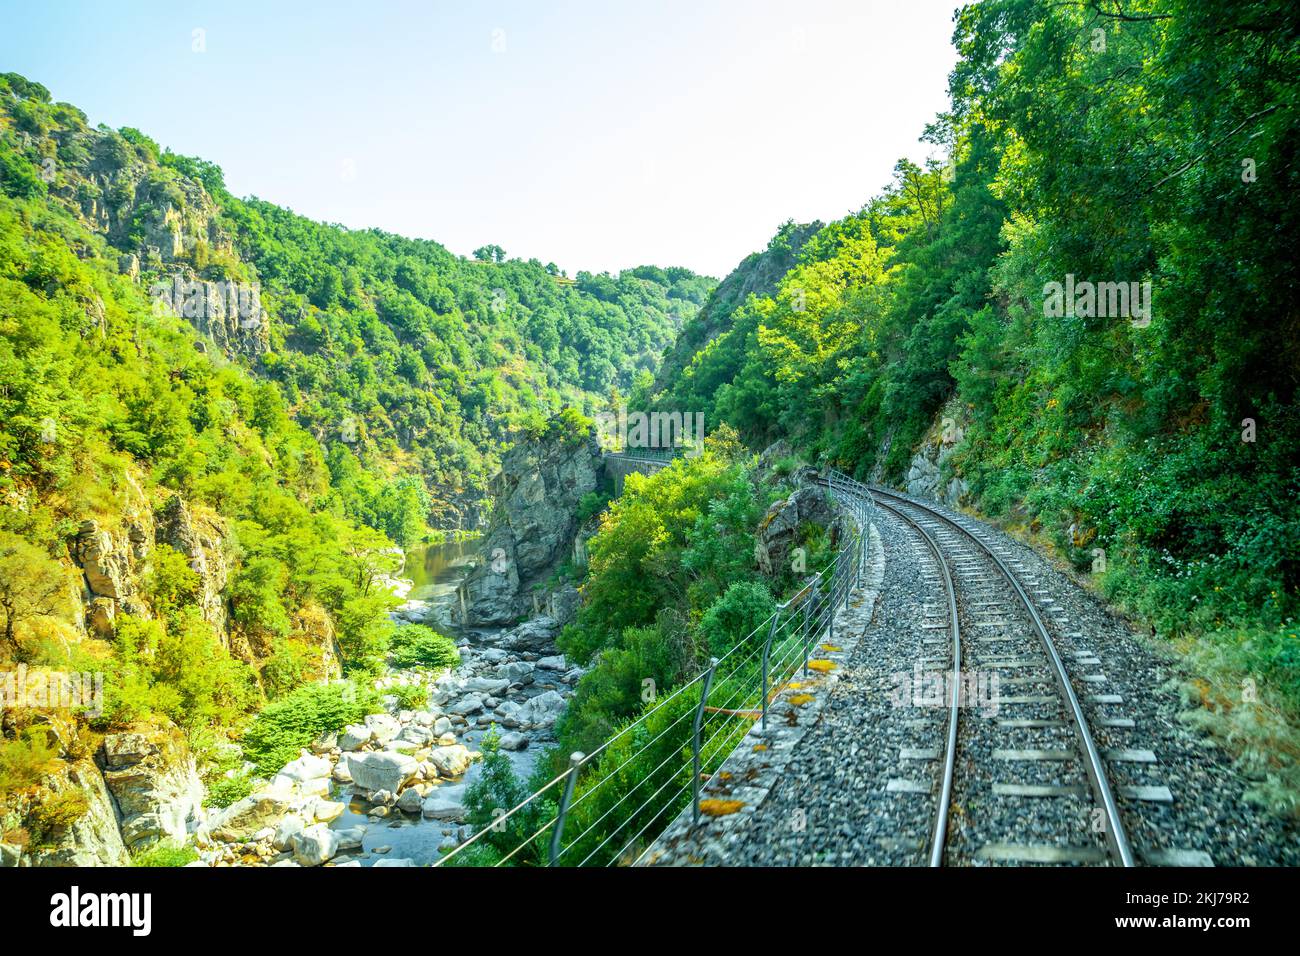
{"x": 1152, "y": 442}
{"x": 410, "y": 365}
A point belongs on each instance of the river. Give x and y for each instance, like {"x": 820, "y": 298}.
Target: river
{"x": 436, "y": 572}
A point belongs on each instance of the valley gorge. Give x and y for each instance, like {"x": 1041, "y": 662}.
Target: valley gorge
{"x": 318, "y": 551}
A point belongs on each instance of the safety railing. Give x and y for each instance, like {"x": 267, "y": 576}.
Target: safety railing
{"x": 658, "y": 454}
{"x": 607, "y": 806}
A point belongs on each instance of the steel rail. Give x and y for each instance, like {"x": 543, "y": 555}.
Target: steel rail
{"x": 940, "y": 836}
{"x": 1116, "y": 838}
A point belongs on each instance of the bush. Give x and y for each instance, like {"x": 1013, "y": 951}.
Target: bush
{"x": 49, "y": 817}
{"x": 495, "y": 791}
{"x": 414, "y": 645}
{"x": 164, "y": 854}
{"x": 736, "y": 615}
{"x": 293, "y": 722}
{"x": 24, "y": 761}
{"x": 224, "y": 791}
{"x": 286, "y": 668}
{"x": 411, "y": 696}
{"x": 591, "y": 503}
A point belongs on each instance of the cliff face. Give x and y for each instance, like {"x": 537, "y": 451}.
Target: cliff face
{"x": 113, "y": 560}
{"x": 930, "y": 474}
{"x": 136, "y": 789}
{"x": 169, "y": 227}
{"x": 155, "y": 785}
{"x": 533, "y": 524}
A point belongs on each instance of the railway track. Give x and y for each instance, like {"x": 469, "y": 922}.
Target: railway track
{"x": 1021, "y": 759}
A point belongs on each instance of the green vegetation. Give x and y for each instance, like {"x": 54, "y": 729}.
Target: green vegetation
{"x": 24, "y": 760}
{"x": 223, "y": 791}
{"x": 369, "y": 399}
{"x": 410, "y": 696}
{"x": 415, "y": 645}
{"x": 1155, "y": 144}
{"x": 288, "y": 725}
{"x": 668, "y": 549}
{"x": 53, "y": 813}
{"x": 495, "y": 790}
{"x": 670, "y": 582}
{"x": 164, "y": 854}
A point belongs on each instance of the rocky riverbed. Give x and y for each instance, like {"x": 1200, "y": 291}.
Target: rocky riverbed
{"x": 389, "y": 791}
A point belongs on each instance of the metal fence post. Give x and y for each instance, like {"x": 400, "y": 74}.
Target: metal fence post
{"x": 695, "y": 743}
{"x": 767, "y": 651}
{"x": 575, "y": 759}
{"x": 807, "y": 626}
{"x": 831, "y": 602}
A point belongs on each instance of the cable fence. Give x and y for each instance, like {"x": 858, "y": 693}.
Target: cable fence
{"x": 608, "y": 806}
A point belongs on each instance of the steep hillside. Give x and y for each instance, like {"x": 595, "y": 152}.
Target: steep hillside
{"x": 412, "y": 365}
{"x": 758, "y": 275}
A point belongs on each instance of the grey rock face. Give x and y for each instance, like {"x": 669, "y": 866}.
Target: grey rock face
{"x": 228, "y": 313}
{"x": 91, "y": 840}
{"x": 925, "y": 475}
{"x": 155, "y": 783}
{"x": 201, "y": 540}
{"x": 778, "y": 532}
{"x": 109, "y": 563}
{"x": 532, "y": 526}
{"x": 242, "y": 819}
{"x": 535, "y": 635}
{"x": 562, "y": 604}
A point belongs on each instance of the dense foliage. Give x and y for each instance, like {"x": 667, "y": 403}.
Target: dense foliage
{"x": 285, "y": 727}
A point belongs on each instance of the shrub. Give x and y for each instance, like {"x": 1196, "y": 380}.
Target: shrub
{"x": 736, "y": 615}
{"x": 496, "y": 790}
{"x": 285, "y": 669}
{"x": 591, "y": 503}
{"x": 164, "y": 854}
{"x": 414, "y": 645}
{"x": 49, "y": 817}
{"x": 24, "y": 761}
{"x": 224, "y": 791}
{"x": 295, "y": 720}
{"x": 411, "y": 696}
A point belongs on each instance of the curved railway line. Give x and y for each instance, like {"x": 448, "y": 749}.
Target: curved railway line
{"x": 1008, "y": 643}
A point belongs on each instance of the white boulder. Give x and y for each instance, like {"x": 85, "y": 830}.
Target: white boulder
{"x": 315, "y": 845}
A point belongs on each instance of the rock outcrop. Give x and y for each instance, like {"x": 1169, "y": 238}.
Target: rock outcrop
{"x": 93, "y": 839}
{"x": 930, "y": 475}
{"x": 533, "y": 524}
{"x": 778, "y": 532}
{"x": 228, "y": 313}
{"x": 201, "y": 538}
{"x": 110, "y": 562}
{"x": 154, "y": 781}
{"x": 162, "y": 224}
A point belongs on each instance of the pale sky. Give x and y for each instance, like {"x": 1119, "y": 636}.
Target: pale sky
{"x": 598, "y": 135}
